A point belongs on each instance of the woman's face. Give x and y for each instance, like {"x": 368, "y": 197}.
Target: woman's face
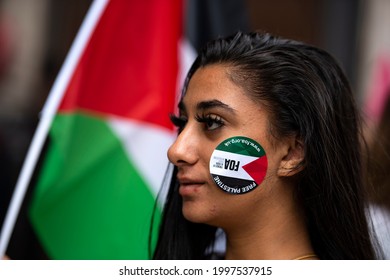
{"x": 212, "y": 110}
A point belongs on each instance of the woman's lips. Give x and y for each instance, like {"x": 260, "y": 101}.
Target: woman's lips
{"x": 189, "y": 187}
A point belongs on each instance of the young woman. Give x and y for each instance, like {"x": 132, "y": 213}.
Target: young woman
{"x": 268, "y": 150}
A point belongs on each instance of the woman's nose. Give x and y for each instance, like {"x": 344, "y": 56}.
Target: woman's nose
{"x": 183, "y": 151}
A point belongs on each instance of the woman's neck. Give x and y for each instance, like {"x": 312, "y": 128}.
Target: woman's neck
{"x": 280, "y": 234}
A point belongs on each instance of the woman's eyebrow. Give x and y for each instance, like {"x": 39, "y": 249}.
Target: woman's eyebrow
{"x": 213, "y": 104}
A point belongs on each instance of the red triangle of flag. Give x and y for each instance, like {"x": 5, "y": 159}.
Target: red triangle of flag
{"x": 129, "y": 67}
{"x": 257, "y": 169}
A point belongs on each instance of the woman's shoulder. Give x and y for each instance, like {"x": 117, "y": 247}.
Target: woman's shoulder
{"x": 380, "y": 217}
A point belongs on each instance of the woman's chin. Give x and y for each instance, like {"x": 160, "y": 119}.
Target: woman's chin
{"x": 197, "y": 214}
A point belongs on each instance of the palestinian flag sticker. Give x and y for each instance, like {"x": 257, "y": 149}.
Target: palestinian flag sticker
{"x": 238, "y": 165}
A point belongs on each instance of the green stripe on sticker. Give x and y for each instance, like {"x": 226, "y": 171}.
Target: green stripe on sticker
{"x": 241, "y": 145}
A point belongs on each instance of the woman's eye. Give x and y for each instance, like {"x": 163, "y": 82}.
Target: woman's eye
{"x": 179, "y": 122}
{"x": 211, "y": 122}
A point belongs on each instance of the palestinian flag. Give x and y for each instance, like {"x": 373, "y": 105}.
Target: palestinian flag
{"x": 107, "y": 154}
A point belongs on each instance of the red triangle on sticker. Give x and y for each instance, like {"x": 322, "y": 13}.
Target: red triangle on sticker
{"x": 257, "y": 169}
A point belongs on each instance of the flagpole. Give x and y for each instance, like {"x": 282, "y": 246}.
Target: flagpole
{"x": 48, "y": 112}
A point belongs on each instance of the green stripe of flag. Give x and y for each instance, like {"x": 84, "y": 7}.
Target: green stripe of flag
{"x": 83, "y": 153}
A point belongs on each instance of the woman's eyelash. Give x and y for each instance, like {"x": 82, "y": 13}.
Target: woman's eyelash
{"x": 178, "y": 121}
{"x": 211, "y": 121}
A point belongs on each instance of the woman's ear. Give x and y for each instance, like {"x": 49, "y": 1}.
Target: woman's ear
{"x": 293, "y": 162}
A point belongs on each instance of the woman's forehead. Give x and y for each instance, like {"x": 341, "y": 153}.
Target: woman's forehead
{"x": 212, "y": 83}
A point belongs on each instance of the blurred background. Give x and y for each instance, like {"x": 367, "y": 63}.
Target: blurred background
{"x": 35, "y": 37}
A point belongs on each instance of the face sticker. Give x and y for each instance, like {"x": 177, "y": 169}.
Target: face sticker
{"x": 238, "y": 165}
